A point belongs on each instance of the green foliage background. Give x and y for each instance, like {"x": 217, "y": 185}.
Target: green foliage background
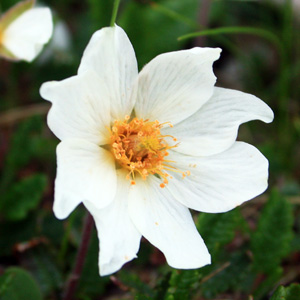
{"x": 255, "y": 248}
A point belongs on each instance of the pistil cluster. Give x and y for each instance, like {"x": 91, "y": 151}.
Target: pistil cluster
{"x": 139, "y": 147}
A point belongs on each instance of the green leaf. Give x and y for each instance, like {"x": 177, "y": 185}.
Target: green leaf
{"x": 268, "y": 283}
{"x": 291, "y": 292}
{"x": 142, "y": 297}
{"x": 44, "y": 149}
{"x": 162, "y": 286}
{"x": 51, "y": 228}
{"x": 21, "y": 148}
{"x": 12, "y": 233}
{"x": 235, "y": 275}
{"x": 41, "y": 264}
{"x": 271, "y": 241}
{"x": 135, "y": 283}
{"x": 182, "y": 283}
{"x": 91, "y": 284}
{"x": 18, "y": 284}
{"x": 218, "y": 230}
{"x": 22, "y": 197}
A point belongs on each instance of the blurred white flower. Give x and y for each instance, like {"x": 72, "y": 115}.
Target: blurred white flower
{"x": 138, "y": 150}
{"x": 295, "y": 4}
{"x": 24, "y": 30}
{"x": 60, "y": 45}
{"x": 61, "y": 37}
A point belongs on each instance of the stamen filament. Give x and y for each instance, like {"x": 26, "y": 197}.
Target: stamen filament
{"x": 139, "y": 147}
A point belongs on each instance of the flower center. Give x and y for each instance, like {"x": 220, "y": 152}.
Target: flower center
{"x": 139, "y": 147}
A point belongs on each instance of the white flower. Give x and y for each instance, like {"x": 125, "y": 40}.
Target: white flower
{"x": 24, "y": 30}
{"x": 138, "y": 150}
{"x": 59, "y": 47}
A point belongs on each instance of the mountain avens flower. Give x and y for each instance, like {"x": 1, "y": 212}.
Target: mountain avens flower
{"x": 140, "y": 149}
{"x": 24, "y": 30}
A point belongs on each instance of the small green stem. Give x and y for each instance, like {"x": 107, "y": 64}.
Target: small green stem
{"x": 235, "y": 30}
{"x": 114, "y": 13}
{"x": 173, "y": 15}
{"x": 266, "y": 34}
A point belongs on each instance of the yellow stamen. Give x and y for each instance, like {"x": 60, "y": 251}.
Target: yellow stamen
{"x": 139, "y": 147}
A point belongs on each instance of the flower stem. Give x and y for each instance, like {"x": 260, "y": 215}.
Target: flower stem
{"x": 82, "y": 251}
{"x": 114, "y": 13}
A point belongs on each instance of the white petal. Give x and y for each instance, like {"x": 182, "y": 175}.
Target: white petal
{"x": 80, "y": 109}
{"x": 26, "y": 36}
{"x": 111, "y": 55}
{"x": 85, "y": 173}
{"x": 214, "y": 127}
{"x": 220, "y": 182}
{"x": 167, "y": 224}
{"x": 119, "y": 240}
{"x": 175, "y": 85}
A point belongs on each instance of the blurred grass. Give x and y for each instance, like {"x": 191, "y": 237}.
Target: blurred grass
{"x": 256, "y": 248}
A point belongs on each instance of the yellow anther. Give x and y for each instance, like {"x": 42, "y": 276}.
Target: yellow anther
{"x": 139, "y": 147}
